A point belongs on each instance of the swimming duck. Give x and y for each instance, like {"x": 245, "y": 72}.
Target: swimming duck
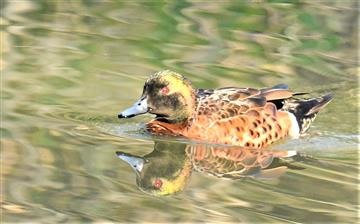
{"x": 168, "y": 168}
{"x": 245, "y": 117}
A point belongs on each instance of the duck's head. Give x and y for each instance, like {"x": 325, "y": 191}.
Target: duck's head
{"x": 166, "y": 94}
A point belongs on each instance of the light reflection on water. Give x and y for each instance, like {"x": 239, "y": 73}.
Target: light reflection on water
{"x": 69, "y": 67}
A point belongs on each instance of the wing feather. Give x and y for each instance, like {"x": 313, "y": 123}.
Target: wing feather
{"x": 228, "y": 102}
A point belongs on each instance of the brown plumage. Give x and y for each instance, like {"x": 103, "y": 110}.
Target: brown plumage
{"x": 237, "y": 116}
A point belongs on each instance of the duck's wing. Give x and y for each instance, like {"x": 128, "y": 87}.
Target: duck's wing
{"x": 231, "y": 101}
{"x": 234, "y": 94}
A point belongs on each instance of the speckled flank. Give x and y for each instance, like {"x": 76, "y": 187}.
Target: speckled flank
{"x": 257, "y": 127}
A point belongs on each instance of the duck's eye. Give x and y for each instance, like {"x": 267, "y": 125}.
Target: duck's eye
{"x": 157, "y": 183}
{"x": 164, "y": 91}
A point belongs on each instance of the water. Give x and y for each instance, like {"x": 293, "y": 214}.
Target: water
{"x": 68, "y": 68}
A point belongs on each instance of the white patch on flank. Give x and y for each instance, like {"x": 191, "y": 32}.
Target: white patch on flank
{"x": 291, "y": 153}
{"x": 294, "y": 129}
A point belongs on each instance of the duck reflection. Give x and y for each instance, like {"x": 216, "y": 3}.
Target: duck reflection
{"x": 167, "y": 169}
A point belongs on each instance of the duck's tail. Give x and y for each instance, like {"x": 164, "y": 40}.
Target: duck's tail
{"x": 305, "y": 110}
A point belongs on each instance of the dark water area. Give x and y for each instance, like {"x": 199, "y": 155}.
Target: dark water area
{"x": 69, "y": 67}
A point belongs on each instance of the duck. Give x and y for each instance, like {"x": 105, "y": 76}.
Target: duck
{"x": 167, "y": 170}
{"x": 246, "y": 117}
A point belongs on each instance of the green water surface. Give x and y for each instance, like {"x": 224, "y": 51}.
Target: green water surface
{"x": 69, "y": 67}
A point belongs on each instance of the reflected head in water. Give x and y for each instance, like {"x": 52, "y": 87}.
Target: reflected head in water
{"x": 167, "y": 169}
{"x": 245, "y": 117}
{"x": 164, "y": 171}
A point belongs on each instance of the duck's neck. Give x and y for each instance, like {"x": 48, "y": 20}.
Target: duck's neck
{"x": 178, "y": 121}
{"x": 165, "y": 127}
